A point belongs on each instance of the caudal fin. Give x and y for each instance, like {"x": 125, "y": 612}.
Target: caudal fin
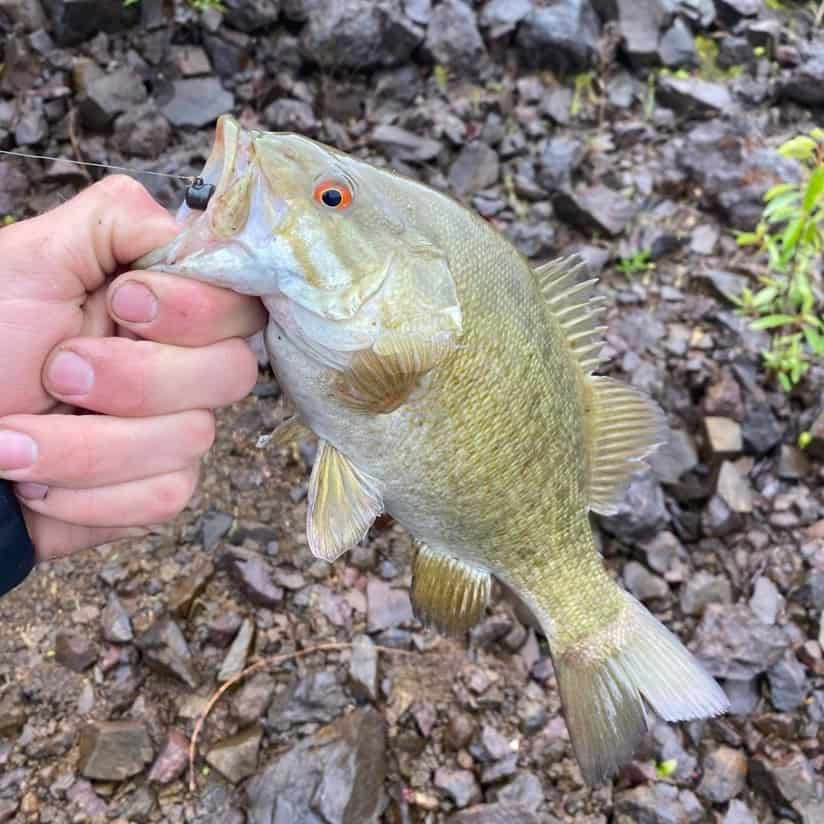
{"x": 605, "y": 680}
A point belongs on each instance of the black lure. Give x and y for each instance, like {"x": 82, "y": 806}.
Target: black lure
{"x": 198, "y": 195}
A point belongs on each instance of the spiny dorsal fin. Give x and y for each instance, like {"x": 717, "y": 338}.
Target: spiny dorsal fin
{"x": 571, "y": 298}
{"x": 625, "y": 426}
{"x": 343, "y": 503}
{"x": 448, "y": 594}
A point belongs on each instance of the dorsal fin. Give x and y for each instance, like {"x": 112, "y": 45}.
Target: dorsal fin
{"x": 624, "y": 427}
{"x": 571, "y": 298}
{"x": 447, "y": 593}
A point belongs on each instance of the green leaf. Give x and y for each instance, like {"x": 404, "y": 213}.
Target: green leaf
{"x": 787, "y": 199}
{"x": 779, "y": 189}
{"x": 747, "y": 239}
{"x": 804, "y": 439}
{"x": 799, "y": 148}
{"x": 765, "y": 296}
{"x": 815, "y": 186}
{"x": 789, "y": 240}
{"x": 772, "y": 321}
{"x": 814, "y": 339}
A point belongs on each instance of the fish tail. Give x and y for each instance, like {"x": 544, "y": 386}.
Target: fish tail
{"x": 605, "y": 679}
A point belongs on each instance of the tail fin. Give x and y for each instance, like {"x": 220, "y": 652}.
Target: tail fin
{"x": 605, "y": 679}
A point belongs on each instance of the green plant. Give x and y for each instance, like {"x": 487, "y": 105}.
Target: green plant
{"x": 584, "y": 92}
{"x": 791, "y": 233}
{"x": 640, "y": 261}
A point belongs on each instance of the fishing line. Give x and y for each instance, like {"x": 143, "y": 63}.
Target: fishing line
{"x": 198, "y": 192}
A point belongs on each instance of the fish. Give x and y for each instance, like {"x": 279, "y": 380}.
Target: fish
{"x": 451, "y": 385}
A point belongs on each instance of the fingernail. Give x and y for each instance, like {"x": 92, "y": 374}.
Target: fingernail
{"x": 31, "y": 491}
{"x": 17, "y": 451}
{"x": 134, "y": 303}
{"x": 69, "y": 374}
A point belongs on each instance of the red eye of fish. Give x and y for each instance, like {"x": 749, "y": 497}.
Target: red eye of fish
{"x": 333, "y": 194}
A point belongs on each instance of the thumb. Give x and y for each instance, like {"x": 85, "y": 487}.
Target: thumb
{"x": 111, "y": 223}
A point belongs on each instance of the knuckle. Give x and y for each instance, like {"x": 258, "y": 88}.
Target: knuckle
{"x": 246, "y": 373}
{"x": 121, "y": 187}
{"x": 202, "y": 430}
{"x": 172, "y": 493}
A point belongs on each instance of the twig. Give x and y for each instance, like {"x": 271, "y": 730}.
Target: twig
{"x": 256, "y": 667}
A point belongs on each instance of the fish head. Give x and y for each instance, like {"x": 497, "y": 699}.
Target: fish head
{"x": 294, "y": 219}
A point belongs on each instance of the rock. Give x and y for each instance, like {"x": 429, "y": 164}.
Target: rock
{"x": 363, "y": 669}
{"x": 733, "y": 643}
{"x": 26, "y": 13}
{"x": 286, "y": 115}
{"x": 658, "y": 803}
{"x": 223, "y": 628}
{"x": 739, "y": 813}
{"x": 805, "y": 84}
{"x": 142, "y": 132}
{"x": 725, "y": 775}
{"x": 476, "y": 167}
{"x": 816, "y": 446}
{"x": 386, "y": 607}
{"x": 459, "y": 785}
{"x": 595, "y": 209}
{"x": 732, "y": 173}
{"x": 504, "y": 812}
{"x": 677, "y": 47}
{"x": 673, "y": 460}
{"x": 562, "y": 37}
{"x": 640, "y": 24}
{"x": 235, "y": 660}
{"x": 74, "y": 651}
{"x": 165, "y": 650}
{"x": 702, "y": 589}
{"x": 694, "y": 97}
{"x": 501, "y": 17}
{"x": 114, "y": 750}
{"x": 187, "y": 590}
{"x": 725, "y": 284}
{"x": 401, "y": 144}
{"x": 334, "y": 776}
{"x": 356, "y": 35}
{"x": 643, "y": 584}
{"x": 766, "y": 602}
{"x": 215, "y": 526}
{"x": 253, "y": 575}
{"x": 172, "y": 760}
{"x": 704, "y": 239}
{"x": 734, "y": 489}
{"x": 110, "y": 95}
{"x": 452, "y": 37}
{"x": 788, "y": 683}
{"x": 718, "y": 520}
{"x": 251, "y": 15}
{"x": 793, "y": 464}
{"x": 82, "y": 796}
{"x": 760, "y": 429}
{"x": 559, "y": 159}
{"x": 318, "y": 697}
{"x": 236, "y": 757}
{"x": 786, "y": 781}
{"x": 73, "y": 21}
{"x": 524, "y": 789}
{"x": 31, "y": 127}
{"x": 191, "y": 61}
{"x": 14, "y": 186}
{"x": 733, "y": 10}
{"x": 252, "y": 700}
{"x": 723, "y": 436}
{"x": 743, "y": 695}
{"x": 460, "y": 729}
{"x": 197, "y": 101}
{"x": 641, "y": 512}
{"x": 115, "y": 623}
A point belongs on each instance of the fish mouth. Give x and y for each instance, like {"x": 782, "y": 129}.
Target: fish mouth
{"x": 220, "y": 243}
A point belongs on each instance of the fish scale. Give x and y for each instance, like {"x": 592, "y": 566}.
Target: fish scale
{"x": 450, "y": 385}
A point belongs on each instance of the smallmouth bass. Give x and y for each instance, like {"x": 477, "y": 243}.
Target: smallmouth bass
{"x": 450, "y": 385}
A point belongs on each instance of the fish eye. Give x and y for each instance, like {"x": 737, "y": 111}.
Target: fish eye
{"x": 333, "y": 195}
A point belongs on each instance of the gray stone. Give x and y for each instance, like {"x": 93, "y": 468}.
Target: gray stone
{"x": 31, "y": 127}
{"x": 114, "y": 750}
{"x": 459, "y": 785}
{"x": 252, "y": 700}
{"x": 595, "y": 209}
{"x": 793, "y": 464}
{"x": 215, "y": 526}
{"x": 733, "y": 10}
{"x": 673, "y": 460}
{"x": 643, "y": 584}
{"x": 401, "y": 144}
{"x": 172, "y": 760}
{"x": 504, "y": 812}
{"x": 524, "y": 789}
{"x": 476, "y": 167}
{"x": 640, "y": 24}
{"x": 109, "y": 95}
{"x": 363, "y": 669}
{"x": 74, "y": 651}
{"x": 734, "y": 488}
{"x": 14, "y": 186}
{"x": 651, "y": 804}
{"x": 677, "y": 47}
{"x": 236, "y": 757}
{"x": 235, "y": 659}
{"x": 788, "y": 683}
{"x": 559, "y": 159}
{"x": 562, "y": 36}
{"x": 743, "y": 696}
{"x": 142, "y": 132}
{"x": 760, "y": 428}
{"x": 452, "y": 37}
{"x": 723, "y": 436}
{"x": 501, "y": 17}
{"x": 253, "y": 575}
{"x": 733, "y": 643}
{"x": 318, "y": 698}
{"x": 333, "y": 777}
{"x": 703, "y": 589}
{"x": 739, "y": 813}
{"x": 251, "y": 15}
{"x": 704, "y": 239}
{"x": 641, "y": 512}
{"x": 76, "y": 20}
{"x": 725, "y": 774}
{"x": 786, "y": 781}
{"x": 285, "y": 115}
{"x": 766, "y": 601}
{"x": 165, "y": 650}
{"x": 26, "y": 13}
{"x": 197, "y": 101}
{"x": 116, "y": 625}
{"x": 386, "y": 607}
{"x": 694, "y": 97}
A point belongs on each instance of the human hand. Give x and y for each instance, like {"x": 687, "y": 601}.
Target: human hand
{"x": 173, "y": 353}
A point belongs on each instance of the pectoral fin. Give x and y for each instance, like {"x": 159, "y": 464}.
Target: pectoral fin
{"x": 447, "y": 593}
{"x": 343, "y": 503}
{"x": 285, "y": 433}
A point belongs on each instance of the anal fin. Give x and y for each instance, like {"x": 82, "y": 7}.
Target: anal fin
{"x": 343, "y": 504}
{"x": 624, "y": 427}
{"x": 448, "y": 594}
